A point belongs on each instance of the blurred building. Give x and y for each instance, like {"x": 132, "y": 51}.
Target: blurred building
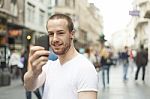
{"x": 11, "y": 20}
{"x": 88, "y": 22}
{"x": 138, "y": 29}
{"x": 122, "y": 38}
{"x": 35, "y": 17}
{"x": 142, "y": 23}
{"x": 20, "y": 18}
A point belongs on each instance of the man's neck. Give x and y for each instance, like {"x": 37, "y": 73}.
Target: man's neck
{"x": 68, "y": 56}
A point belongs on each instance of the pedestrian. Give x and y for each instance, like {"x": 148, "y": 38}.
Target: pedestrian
{"x": 125, "y": 60}
{"x": 141, "y": 61}
{"x": 71, "y": 76}
{"x": 90, "y": 54}
{"x": 13, "y": 63}
{"x": 105, "y": 62}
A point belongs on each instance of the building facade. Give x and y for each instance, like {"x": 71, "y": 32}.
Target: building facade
{"x": 11, "y": 21}
{"x": 142, "y": 23}
{"x": 20, "y": 18}
{"x": 35, "y": 17}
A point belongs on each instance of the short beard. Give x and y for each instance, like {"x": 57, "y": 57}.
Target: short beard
{"x": 64, "y": 50}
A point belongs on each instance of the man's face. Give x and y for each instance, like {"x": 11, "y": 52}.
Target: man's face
{"x": 59, "y": 36}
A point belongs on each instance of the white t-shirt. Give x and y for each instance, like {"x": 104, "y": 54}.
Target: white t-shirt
{"x": 65, "y": 81}
{"x": 14, "y": 59}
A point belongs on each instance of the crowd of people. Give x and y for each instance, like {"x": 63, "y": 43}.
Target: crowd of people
{"x": 135, "y": 59}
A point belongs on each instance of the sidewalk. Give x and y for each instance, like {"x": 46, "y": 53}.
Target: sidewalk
{"x": 14, "y": 91}
{"x": 130, "y": 89}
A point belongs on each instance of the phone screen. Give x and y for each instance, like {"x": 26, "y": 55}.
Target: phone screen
{"x": 43, "y": 41}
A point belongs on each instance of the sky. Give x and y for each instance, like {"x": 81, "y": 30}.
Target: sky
{"x": 115, "y": 14}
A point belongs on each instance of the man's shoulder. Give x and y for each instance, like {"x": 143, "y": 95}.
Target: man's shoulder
{"x": 83, "y": 59}
{"x": 84, "y": 62}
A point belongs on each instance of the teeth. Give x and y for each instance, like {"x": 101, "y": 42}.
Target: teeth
{"x": 57, "y": 45}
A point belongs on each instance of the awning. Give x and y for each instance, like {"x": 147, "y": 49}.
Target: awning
{"x": 15, "y": 26}
{"x": 141, "y": 22}
{"x": 147, "y": 14}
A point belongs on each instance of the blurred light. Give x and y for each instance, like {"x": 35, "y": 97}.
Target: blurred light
{"x": 28, "y": 37}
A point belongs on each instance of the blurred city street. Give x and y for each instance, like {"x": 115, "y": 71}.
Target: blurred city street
{"x": 14, "y": 91}
{"x": 117, "y": 89}
{"x": 130, "y": 89}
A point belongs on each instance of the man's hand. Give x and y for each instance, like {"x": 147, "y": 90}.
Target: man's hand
{"x": 37, "y": 58}
{"x": 34, "y": 77}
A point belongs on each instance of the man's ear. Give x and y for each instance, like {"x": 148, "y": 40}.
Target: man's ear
{"x": 72, "y": 34}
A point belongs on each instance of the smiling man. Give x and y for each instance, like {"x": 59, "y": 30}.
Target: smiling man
{"x": 71, "y": 76}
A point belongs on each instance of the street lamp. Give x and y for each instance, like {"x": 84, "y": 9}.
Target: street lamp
{"x": 29, "y": 37}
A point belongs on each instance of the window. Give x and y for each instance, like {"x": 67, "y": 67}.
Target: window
{"x": 14, "y": 7}
{"x": 56, "y": 2}
{"x": 67, "y": 2}
{"x": 41, "y": 17}
{"x": 1, "y": 3}
{"x": 30, "y": 13}
{"x": 42, "y": 1}
{"x": 73, "y": 5}
{"x": 70, "y": 3}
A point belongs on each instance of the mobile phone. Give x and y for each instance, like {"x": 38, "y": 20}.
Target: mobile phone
{"x": 42, "y": 40}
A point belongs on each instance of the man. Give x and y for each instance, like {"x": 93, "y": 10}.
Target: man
{"x": 71, "y": 76}
{"x": 125, "y": 56}
{"x": 141, "y": 61}
{"x": 105, "y": 62}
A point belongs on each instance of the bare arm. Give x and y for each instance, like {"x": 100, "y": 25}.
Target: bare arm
{"x": 34, "y": 77}
{"x": 32, "y": 82}
{"x": 88, "y": 95}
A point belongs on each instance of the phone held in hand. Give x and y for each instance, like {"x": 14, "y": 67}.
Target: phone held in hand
{"x": 43, "y": 41}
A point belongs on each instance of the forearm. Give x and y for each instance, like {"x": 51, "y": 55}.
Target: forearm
{"x": 30, "y": 81}
{"x": 35, "y": 77}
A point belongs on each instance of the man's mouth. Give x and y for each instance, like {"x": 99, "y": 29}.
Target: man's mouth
{"x": 56, "y": 46}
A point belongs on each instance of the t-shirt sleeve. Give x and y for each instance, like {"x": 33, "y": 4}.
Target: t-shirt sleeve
{"x": 87, "y": 79}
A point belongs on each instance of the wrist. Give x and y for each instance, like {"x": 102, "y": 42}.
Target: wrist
{"x": 33, "y": 75}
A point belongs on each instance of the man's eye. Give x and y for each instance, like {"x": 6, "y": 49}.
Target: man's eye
{"x": 50, "y": 34}
{"x": 61, "y": 33}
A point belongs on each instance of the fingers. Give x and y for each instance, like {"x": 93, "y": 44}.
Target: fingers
{"x": 37, "y": 54}
{"x": 37, "y": 58}
{"x": 40, "y": 61}
{"x": 37, "y": 51}
{"x": 35, "y": 48}
{"x": 37, "y": 67}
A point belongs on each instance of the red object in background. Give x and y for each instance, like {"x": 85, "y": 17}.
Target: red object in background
{"x": 14, "y": 33}
{"x": 131, "y": 54}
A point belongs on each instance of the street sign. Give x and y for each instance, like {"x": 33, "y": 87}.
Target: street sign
{"x": 134, "y": 13}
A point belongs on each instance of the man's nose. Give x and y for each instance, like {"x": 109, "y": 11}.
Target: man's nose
{"x": 55, "y": 37}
